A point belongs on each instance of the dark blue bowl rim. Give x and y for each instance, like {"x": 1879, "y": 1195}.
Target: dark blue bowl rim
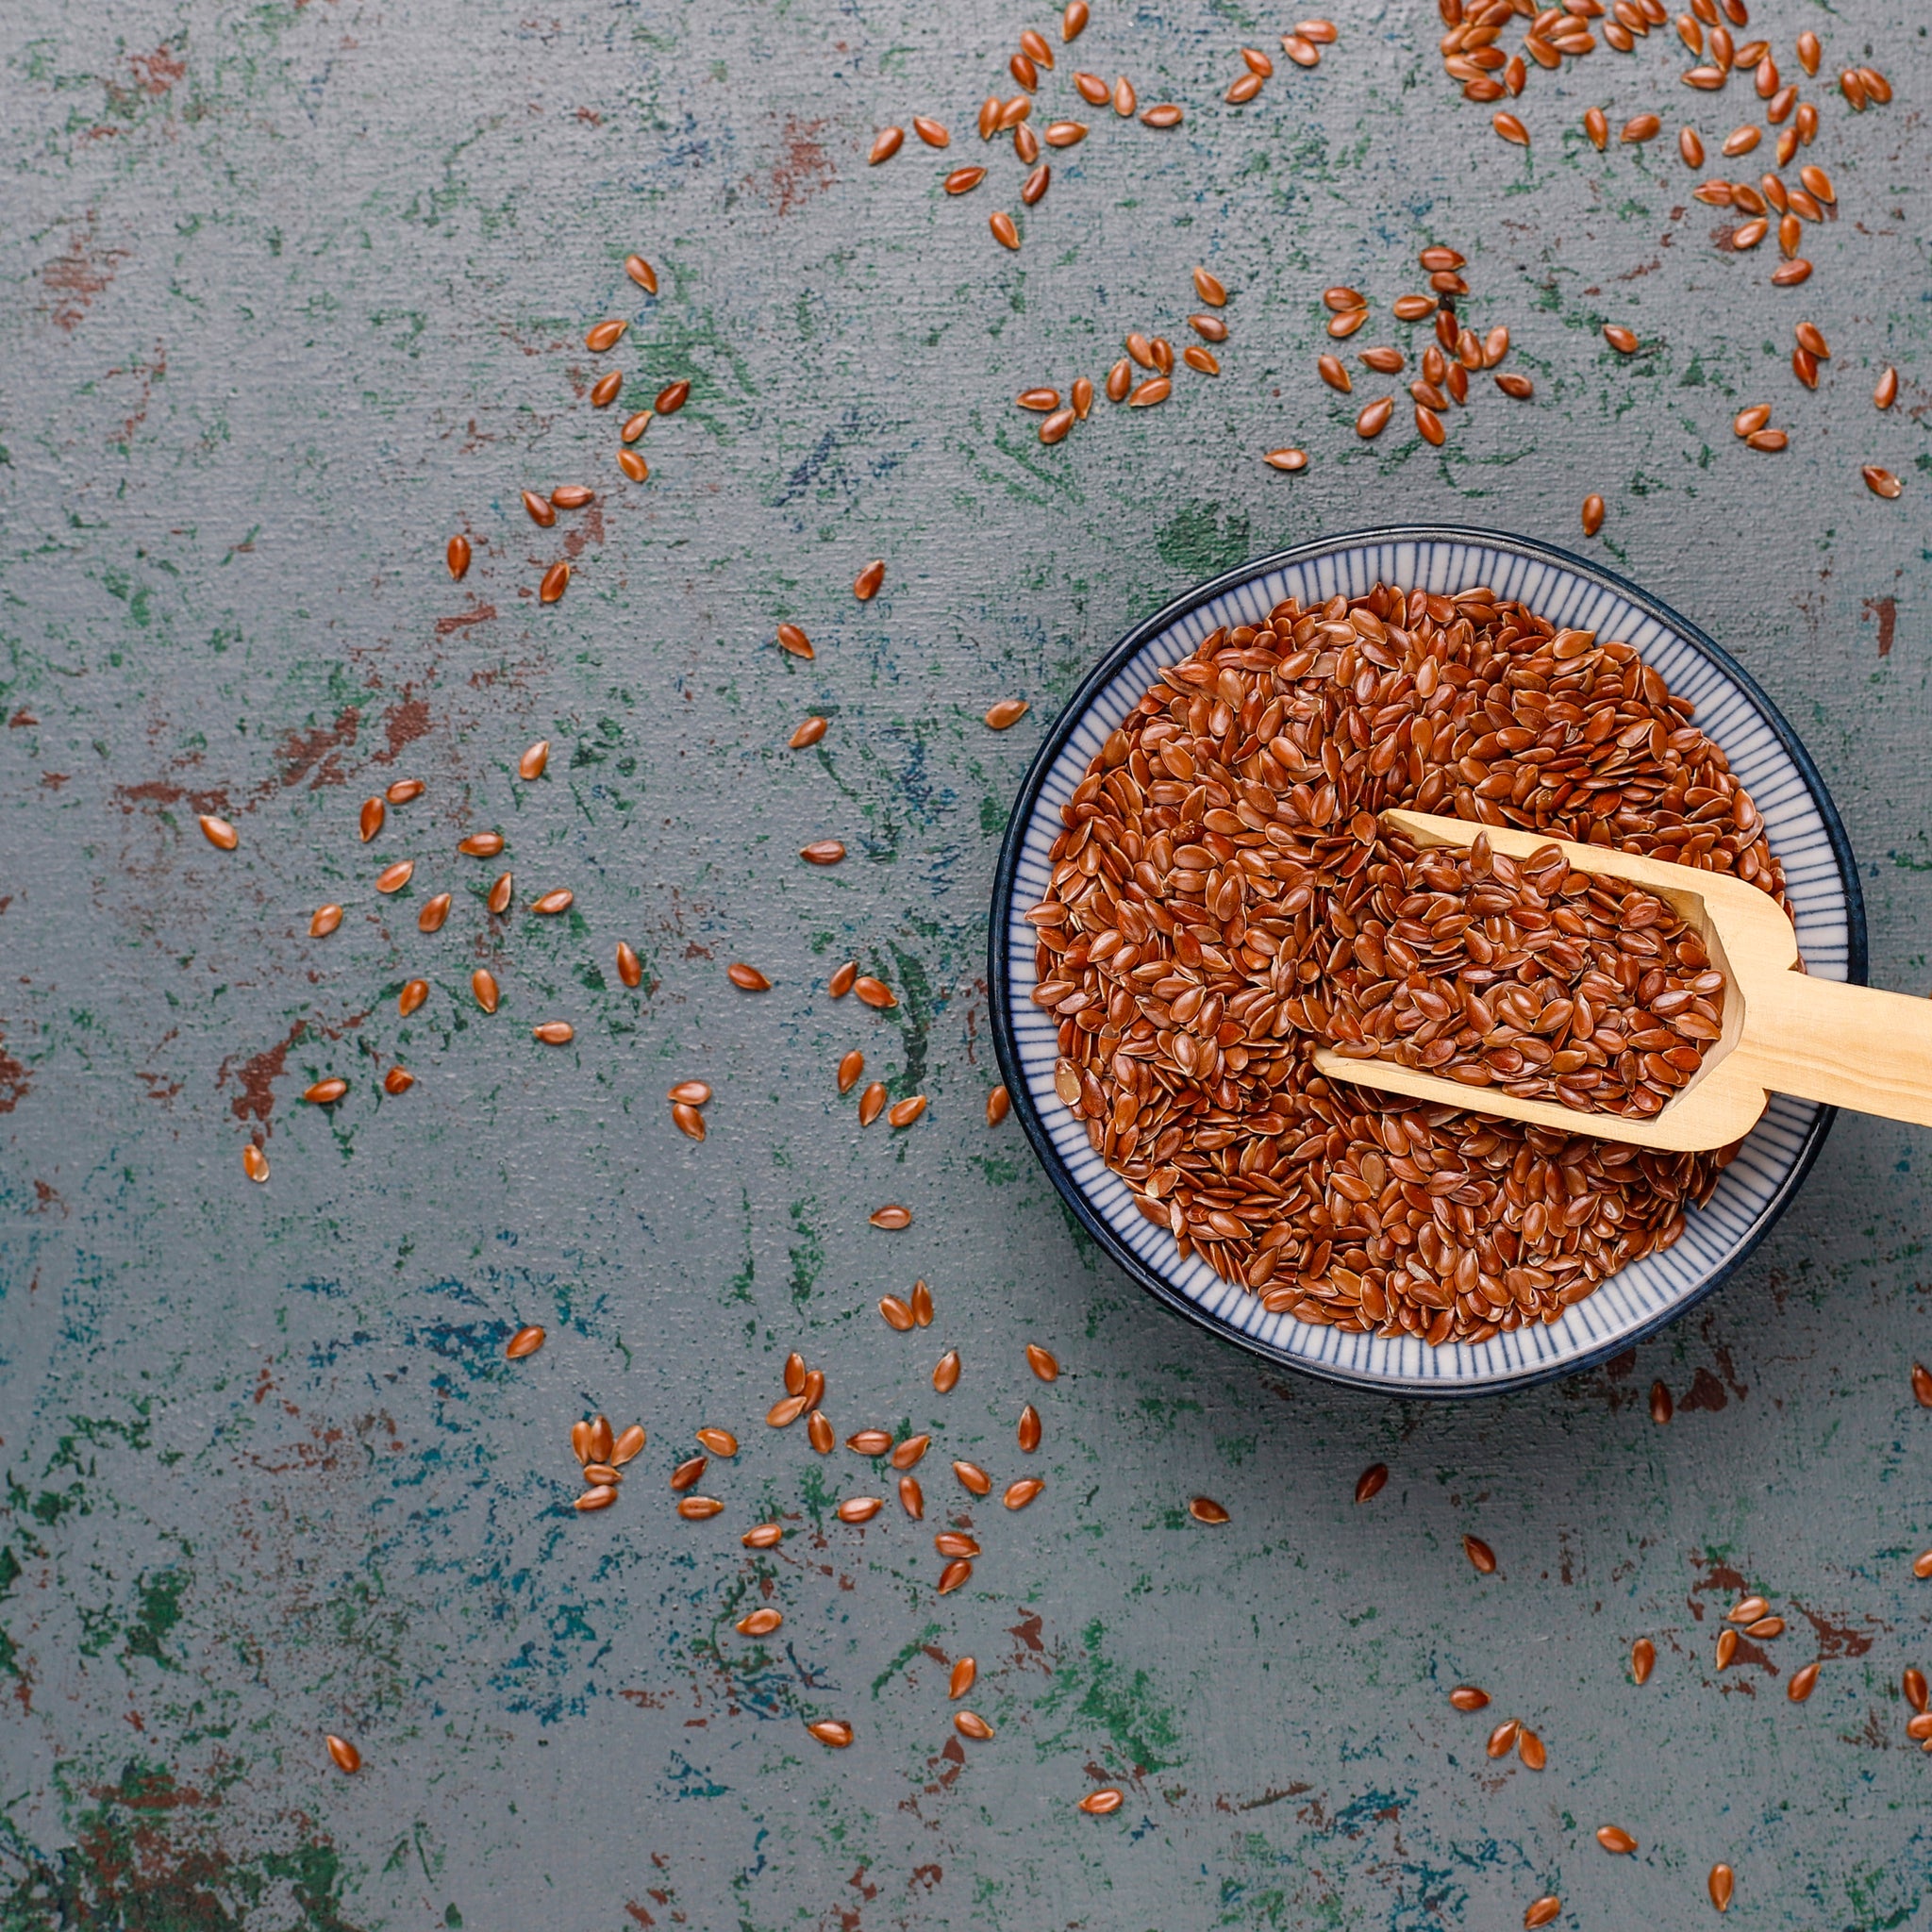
{"x": 1104, "y": 674}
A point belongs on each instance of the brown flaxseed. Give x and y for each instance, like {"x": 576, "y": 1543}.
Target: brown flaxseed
{"x": 922, "y": 1304}
{"x": 823, "y": 852}
{"x": 1289, "y": 459}
{"x": 1019, "y": 1495}
{"x": 818, "y": 1429}
{"x": 945, "y": 1374}
{"x": 874, "y": 992}
{"x": 1007, "y": 712}
{"x": 324, "y": 921}
{"x": 892, "y": 1218}
{"x": 886, "y": 144}
{"x": 1802, "y": 1684}
{"x": 1004, "y": 232}
{"x": 1029, "y": 1430}
{"x": 844, "y": 978}
{"x": 1102, "y": 1803}
{"x": 1502, "y": 1740}
{"x": 998, "y": 1104}
{"x": 902, "y": 1113}
{"x": 832, "y": 1732}
{"x": 254, "y": 1162}
{"x": 872, "y": 1103}
{"x": 1371, "y": 1481}
{"x": 747, "y": 978}
{"x": 807, "y": 733}
{"x": 974, "y": 1478}
{"x": 849, "y": 1069}
{"x": 398, "y": 1080}
{"x": 687, "y": 1120}
{"x": 963, "y": 1676}
{"x": 1720, "y": 1885}
{"x": 907, "y": 1453}
{"x": 218, "y": 832}
{"x": 911, "y": 1497}
{"x": 1479, "y": 1554}
{"x": 957, "y": 1572}
{"x": 1468, "y": 1697}
{"x": 969, "y": 1724}
{"x": 555, "y": 583}
{"x": 1881, "y": 481}
{"x": 325, "y": 1092}
{"x": 895, "y": 1313}
{"x": 346, "y": 1757}
{"x": 1206, "y": 1509}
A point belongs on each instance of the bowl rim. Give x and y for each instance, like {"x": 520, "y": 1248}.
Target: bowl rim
{"x": 1103, "y": 674}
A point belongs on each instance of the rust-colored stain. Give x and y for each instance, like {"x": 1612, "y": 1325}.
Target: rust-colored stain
{"x": 156, "y": 73}
{"x": 404, "y": 724}
{"x": 803, "y": 169}
{"x": 72, "y": 280}
{"x": 1886, "y": 610}
{"x": 14, "y": 1081}
{"x": 478, "y": 613}
{"x": 257, "y": 1075}
{"x": 313, "y": 754}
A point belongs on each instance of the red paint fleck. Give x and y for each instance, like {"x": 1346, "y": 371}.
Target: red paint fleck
{"x": 74, "y": 280}
{"x": 257, "y": 1075}
{"x": 404, "y": 724}
{"x": 156, "y": 73}
{"x": 14, "y": 1081}
{"x": 301, "y": 754}
{"x": 803, "y": 169}
{"x": 1886, "y": 610}
{"x": 21, "y": 720}
{"x": 478, "y": 613}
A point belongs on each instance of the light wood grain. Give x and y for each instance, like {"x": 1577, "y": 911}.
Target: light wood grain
{"x": 1783, "y": 1031}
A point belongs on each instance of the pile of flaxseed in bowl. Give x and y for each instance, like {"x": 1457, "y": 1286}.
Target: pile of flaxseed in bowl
{"x": 1225, "y": 900}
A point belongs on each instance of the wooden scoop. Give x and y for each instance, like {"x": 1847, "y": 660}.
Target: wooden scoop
{"x": 1783, "y": 1032}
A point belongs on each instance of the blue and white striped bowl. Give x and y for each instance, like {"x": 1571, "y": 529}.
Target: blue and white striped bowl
{"x": 1801, "y": 822}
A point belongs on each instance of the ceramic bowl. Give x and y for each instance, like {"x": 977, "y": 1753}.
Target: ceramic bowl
{"x": 1802, "y": 828}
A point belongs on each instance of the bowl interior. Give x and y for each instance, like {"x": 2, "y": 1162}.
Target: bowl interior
{"x": 1803, "y": 829}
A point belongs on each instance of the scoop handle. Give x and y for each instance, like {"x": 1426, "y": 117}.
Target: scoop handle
{"x": 1845, "y": 1045}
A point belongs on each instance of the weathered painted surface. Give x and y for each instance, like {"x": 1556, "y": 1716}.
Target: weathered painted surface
{"x": 293, "y": 293}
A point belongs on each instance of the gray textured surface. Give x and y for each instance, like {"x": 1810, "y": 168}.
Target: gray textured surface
{"x": 292, "y": 293}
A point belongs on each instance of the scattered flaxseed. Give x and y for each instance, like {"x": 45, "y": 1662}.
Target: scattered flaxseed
{"x": 1029, "y": 1430}
{"x": 325, "y": 1092}
{"x": 945, "y": 1374}
{"x": 324, "y": 921}
{"x": 498, "y": 900}
{"x": 895, "y": 1313}
{"x": 413, "y": 995}
{"x": 849, "y": 1069}
{"x": 922, "y": 1305}
{"x": 859, "y": 1508}
{"x": 909, "y": 1453}
{"x": 671, "y": 398}
{"x": 1720, "y": 1885}
{"x": 747, "y": 978}
{"x": 832, "y": 1732}
{"x": 1371, "y": 1481}
{"x": 998, "y": 1103}
{"x": 1289, "y": 460}
{"x": 1726, "y": 1648}
{"x": 458, "y": 558}
{"x": 347, "y": 1757}
{"x": 698, "y": 1508}
{"x": 1593, "y": 515}
{"x": 904, "y": 1112}
{"x": 1662, "y": 1408}
{"x": 974, "y": 1478}
{"x": 823, "y": 852}
{"x": 818, "y": 1429}
{"x": 872, "y": 1103}
{"x": 398, "y": 1080}
{"x": 254, "y": 1162}
{"x": 1099, "y": 1804}
{"x": 555, "y": 581}
{"x": 1022, "y": 1493}
{"x": 1468, "y": 1697}
{"x": 1885, "y": 394}
{"x": 758, "y": 1624}
{"x": 433, "y": 914}
{"x": 1206, "y": 1509}
{"x": 808, "y": 733}
{"x": 955, "y": 1572}
{"x": 218, "y": 832}
{"x": 604, "y": 335}
{"x": 971, "y": 1725}
{"x": 525, "y": 1341}
{"x": 886, "y": 144}
{"x": 1802, "y": 1684}
{"x": 483, "y": 988}
{"x": 1009, "y": 711}
{"x": 842, "y": 980}
{"x": 1529, "y": 1747}
{"x": 911, "y": 1497}
{"x": 1004, "y": 232}
{"x": 892, "y": 1218}
{"x": 1479, "y": 1554}
{"x": 1502, "y": 1740}
{"x": 1881, "y": 481}
{"x": 874, "y": 992}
